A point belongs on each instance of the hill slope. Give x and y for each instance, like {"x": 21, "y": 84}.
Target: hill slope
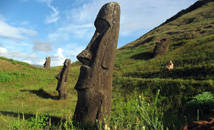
{"x": 191, "y": 48}
{"x": 28, "y": 92}
{"x": 191, "y": 36}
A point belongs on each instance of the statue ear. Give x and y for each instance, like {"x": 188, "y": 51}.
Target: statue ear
{"x": 102, "y": 26}
{"x": 107, "y": 56}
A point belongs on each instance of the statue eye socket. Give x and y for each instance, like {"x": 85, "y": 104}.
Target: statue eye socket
{"x": 101, "y": 25}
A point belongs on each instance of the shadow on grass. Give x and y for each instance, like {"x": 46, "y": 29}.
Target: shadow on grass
{"x": 41, "y": 93}
{"x": 54, "y": 120}
{"x": 142, "y": 56}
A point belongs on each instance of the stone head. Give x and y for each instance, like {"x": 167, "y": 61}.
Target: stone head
{"x": 100, "y": 52}
{"x": 67, "y": 62}
{"x": 94, "y": 85}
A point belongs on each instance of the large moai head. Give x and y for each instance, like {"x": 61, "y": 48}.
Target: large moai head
{"x": 94, "y": 85}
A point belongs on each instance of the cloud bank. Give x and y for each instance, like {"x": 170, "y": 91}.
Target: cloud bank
{"x": 42, "y": 46}
{"x": 16, "y": 54}
{"x": 10, "y": 32}
{"x": 135, "y": 15}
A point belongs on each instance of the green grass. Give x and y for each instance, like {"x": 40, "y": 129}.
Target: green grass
{"x": 145, "y": 95}
{"x": 14, "y": 61}
{"x": 191, "y": 50}
{"x": 31, "y": 91}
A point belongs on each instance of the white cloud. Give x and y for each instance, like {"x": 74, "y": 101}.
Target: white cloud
{"x": 37, "y": 61}
{"x": 28, "y": 61}
{"x": 85, "y": 13}
{"x": 15, "y": 54}
{"x": 42, "y": 46}
{"x": 136, "y": 15}
{"x": 72, "y": 50}
{"x": 72, "y": 31}
{"x": 32, "y": 56}
{"x": 28, "y": 58}
{"x": 25, "y": 23}
{"x": 10, "y": 32}
{"x": 27, "y": 31}
{"x": 52, "y": 16}
{"x": 2, "y": 18}
{"x": 3, "y": 51}
{"x": 58, "y": 58}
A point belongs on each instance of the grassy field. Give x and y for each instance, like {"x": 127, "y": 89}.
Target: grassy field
{"x": 145, "y": 95}
{"x": 30, "y": 91}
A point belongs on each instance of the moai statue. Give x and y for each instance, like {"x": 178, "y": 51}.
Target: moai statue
{"x": 62, "y": 78}
{"x": 94, "y": 85}
{"x": 161, "y": 47}
{"x": 47, "y": 63}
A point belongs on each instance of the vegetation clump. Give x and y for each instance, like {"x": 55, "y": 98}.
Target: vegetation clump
{"x": 200, "y": 106}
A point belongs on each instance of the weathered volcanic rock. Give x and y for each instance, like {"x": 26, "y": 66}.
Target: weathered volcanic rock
{"x": 161, "y": 47}
{"x": 47, "y": 62}
{"x": 94, "y": 85}
{"x": 62, "y": 78}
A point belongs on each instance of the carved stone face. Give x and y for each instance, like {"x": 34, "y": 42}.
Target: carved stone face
{"x": 98, "y": 54}
{"x": 94, "y": 85}
{"x": 64, "y": 71}
{"x": 67, "y": 62}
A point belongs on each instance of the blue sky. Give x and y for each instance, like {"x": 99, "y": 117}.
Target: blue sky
{"x": 30, "y": 30}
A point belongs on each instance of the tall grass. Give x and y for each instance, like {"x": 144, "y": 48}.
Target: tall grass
{"x": 144, "y": 115}
{"x": 129, "y": 112}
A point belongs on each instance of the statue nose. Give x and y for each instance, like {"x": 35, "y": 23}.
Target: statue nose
{"x": 85, "y": 57}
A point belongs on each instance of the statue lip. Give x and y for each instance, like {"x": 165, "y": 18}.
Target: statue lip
{"x": 85, "y": 66}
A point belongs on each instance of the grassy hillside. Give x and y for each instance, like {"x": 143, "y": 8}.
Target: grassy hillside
{"x": 145, "y": 95}
{"x": 31, "y": 91}
{"x": 191, "y": 33}
{"x": 191, "y": 49}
